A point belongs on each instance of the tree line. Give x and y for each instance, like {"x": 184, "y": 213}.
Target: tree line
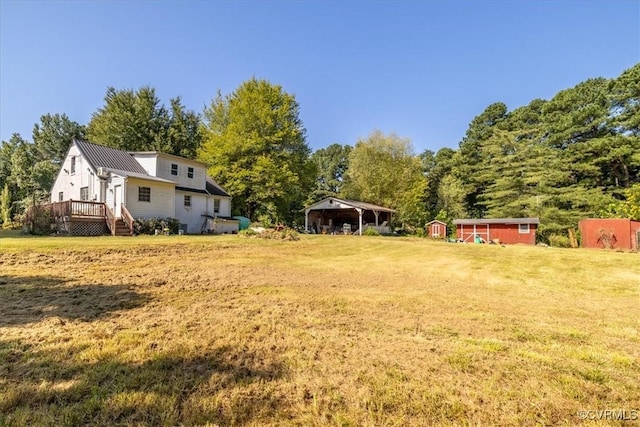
{"x": 574, "y": 156}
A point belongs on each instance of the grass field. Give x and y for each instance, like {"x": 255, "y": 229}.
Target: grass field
{"x": 328, "y": 330}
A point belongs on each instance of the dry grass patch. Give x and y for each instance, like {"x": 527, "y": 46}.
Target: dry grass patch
{"x": 187, "y": 330}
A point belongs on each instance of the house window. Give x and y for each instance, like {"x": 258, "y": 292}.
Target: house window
{"x": 190, "y": 172}
{"x": 216, "y": 205}
{"x": 187, "y": 201}
{"x": 60, "y": 196}
{"x": 144, "y": 194}
{"x": 73, "y": 165}
{"x": 84, "y": 193}
{"x": 174, "y": 169}
{"x": 523, "y": 228}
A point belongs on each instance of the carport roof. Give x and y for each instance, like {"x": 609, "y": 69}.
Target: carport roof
{"x": 335, "y": 203}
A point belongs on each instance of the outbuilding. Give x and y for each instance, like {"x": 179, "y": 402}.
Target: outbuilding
{"x": 339, "y": 216}
{"x": 437, "y": 229}
{"x": 502, "y": 230}
{"x": 610, "y": 233}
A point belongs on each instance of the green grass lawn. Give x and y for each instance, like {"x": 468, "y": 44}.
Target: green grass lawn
{"x": 328, "y": 330}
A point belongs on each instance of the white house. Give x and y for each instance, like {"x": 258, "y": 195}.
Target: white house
{"x": 145, "y": 184}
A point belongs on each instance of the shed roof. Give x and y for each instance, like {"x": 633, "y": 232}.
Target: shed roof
{"x": 106, "y": 157}
{"x": 436, "y": 220}
{"x": 335, "y": 203}
{"x": 472, "y": 221}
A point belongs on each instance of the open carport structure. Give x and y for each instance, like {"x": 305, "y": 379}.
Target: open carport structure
{"x": 333, "y": 215}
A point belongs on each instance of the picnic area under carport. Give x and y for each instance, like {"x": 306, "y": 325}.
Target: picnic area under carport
{"x": 338, "y": 216}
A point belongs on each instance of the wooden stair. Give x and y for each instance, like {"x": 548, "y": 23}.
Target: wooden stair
{"x": 121, "y": 228}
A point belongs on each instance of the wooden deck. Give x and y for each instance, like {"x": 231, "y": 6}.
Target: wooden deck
{"x": 84, "y": 218}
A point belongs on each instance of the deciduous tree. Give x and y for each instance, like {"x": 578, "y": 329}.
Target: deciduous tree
{"x": 384, "y": 170}
{"x": 254, "y": 143}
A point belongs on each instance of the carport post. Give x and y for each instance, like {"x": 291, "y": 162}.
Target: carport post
{"x": 359, "y": 221}
{"x": 306, "y": 220}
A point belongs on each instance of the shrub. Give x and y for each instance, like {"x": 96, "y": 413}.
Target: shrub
{"x": 371, "y": 232}
{"x": 559, "y": 241}
{"x": 38, "y": 220}
{"x": 249, "y": 232}
{"x": 150, "y": 225}
{"x": 420, "y": 232}
{"x": 285, "y": 233}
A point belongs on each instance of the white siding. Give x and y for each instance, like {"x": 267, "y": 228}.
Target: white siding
{"x": 225, "y": 206}
{"x": 192, "y": 216}
{"x": 111, "y": 183}
{"x": 182, "y": 180}
{"x": 70, "y": 184}
{"x": 148, "y": 162}
{"x": 226, "y": 227}
{"x": 162, "y": 203}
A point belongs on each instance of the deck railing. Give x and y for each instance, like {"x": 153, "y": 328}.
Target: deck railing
{"x": 83, "y": 208}
{"x": 77, "y": 208}
{"x": 111, "y": 220}
{"x": 127, "y": 217}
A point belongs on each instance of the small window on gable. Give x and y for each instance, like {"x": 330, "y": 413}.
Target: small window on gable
{"x": 187, "y": 201}
{"x": 216, "y": 205}
{"x": 144, "y": 194}
{"x": 84, "y": 193}
{"x": 60, "y": 196}
{"x": 523, "y": 228}
{"x": 190, "y": 172}
{"x": 73, "y": 165}
{"x": 174, "y": 169}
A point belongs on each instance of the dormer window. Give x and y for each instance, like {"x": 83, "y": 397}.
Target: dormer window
{"x": 174, "y": 169}
{"x": 190, "y": 172}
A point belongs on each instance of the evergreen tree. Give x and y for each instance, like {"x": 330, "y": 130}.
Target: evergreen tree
{"x": 53, "y": 136}
{"x": 331, "y": 164}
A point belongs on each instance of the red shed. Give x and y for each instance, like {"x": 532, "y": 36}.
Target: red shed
{"x": 437, "y": 229}
{"x": 505, "y": 230}
{"x": 610, "y": 233}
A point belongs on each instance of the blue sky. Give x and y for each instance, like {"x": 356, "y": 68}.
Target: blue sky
{"x": 421, "y": 69}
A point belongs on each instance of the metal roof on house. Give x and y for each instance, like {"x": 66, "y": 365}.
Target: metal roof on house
{"x": 215, "y": 189}
{"x": 139, "y": 175}
{"x": 100, "y": 156}
{"x": 472, "y": 221}
{"x": 191, "y": 190}
{"x": 166, "y": 155}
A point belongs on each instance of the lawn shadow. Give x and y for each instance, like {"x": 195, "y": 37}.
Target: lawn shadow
{"x": 219, "y": 386}
{"x": 31, "y": 299}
